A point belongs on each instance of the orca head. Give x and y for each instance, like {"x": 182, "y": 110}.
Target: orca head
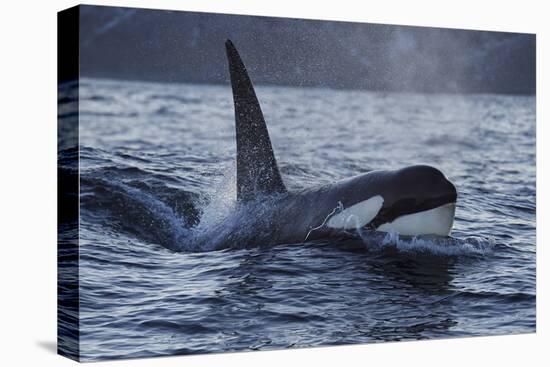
{"x": 418, "y": 200}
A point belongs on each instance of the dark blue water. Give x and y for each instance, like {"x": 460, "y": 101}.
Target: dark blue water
{"x": 158, "y": 276}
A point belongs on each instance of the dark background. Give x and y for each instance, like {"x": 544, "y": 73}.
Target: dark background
{"x": 176, "y": 46}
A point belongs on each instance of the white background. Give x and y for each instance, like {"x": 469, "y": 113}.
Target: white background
{"x": 28, "y": 182}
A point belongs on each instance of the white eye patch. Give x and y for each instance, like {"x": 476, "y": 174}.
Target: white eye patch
{"x": 357, "y": 215}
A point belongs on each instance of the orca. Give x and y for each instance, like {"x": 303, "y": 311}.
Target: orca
{"x": 412, "y": 201}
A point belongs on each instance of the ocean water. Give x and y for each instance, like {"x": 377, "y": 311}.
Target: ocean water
{"x": 157, "y": 204}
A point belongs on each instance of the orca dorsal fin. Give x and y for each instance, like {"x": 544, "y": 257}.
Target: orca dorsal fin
{"x": 257, "y": 171}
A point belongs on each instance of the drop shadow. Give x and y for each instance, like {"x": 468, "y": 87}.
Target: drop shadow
{"x": 48, "y": 345}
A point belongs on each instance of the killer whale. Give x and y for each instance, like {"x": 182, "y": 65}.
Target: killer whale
{"x": 412, "y": 201}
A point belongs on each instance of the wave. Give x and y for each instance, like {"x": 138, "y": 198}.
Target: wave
{"x": 145, "y": 206}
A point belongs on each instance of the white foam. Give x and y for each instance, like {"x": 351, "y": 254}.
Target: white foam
{"x": 444, "y": 246}
{"x": 221, "y": 203}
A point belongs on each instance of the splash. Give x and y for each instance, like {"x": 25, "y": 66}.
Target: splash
{"x": 180, "y": 221}
{"x": 220, "y": 203}
{"x": 428, "y": 245}
{"x": 425, "y": 244}
{"x": 224, "y": 224}
{"x": 217, "y": 214}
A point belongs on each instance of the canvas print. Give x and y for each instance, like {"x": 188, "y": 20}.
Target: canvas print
{"x": 235, "y": 183}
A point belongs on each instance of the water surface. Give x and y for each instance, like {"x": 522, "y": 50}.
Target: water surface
{"x": 157, "y": 173}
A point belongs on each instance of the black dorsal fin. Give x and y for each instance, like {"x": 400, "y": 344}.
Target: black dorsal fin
{"x": 257, "y": 171}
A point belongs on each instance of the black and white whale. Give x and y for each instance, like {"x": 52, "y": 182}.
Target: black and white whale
{"x": 416, "y": 200}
